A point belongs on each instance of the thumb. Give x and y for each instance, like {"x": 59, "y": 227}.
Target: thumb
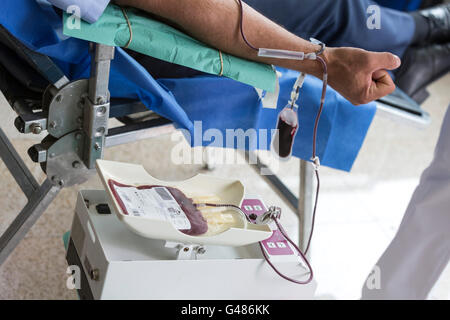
{"x": 387, "y": 61}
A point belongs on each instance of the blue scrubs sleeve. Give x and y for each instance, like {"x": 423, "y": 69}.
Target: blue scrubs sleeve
{"x": 89, "y": 10}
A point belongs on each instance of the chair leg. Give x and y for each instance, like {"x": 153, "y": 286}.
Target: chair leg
{"x": 39, "y": 197}
{"x": 36, "y": 205}
{"x": 305, "y": 202}
{"x": 16, "y": 166}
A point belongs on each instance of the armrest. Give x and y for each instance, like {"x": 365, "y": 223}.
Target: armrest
{"x": 399, "y": 105}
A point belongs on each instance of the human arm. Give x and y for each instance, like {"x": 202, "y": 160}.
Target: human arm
{"x": 359, "y": 75}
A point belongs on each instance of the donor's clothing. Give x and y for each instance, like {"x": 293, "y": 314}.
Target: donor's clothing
{"x": 420, "y": 250}
{"x": 343, "y": 23}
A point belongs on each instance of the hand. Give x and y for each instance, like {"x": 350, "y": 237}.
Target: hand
{"x": 359, "y": 75}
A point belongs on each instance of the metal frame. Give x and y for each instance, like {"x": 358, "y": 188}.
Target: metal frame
{"x": 39, "y": 197}
{"x": 75, "y": 114}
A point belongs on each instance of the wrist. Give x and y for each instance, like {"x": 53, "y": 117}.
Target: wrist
{"x": 315, "y": 67}
{"x": 327, "y": 56}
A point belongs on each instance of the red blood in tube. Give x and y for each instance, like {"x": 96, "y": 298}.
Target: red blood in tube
{"x": 287, "y": 126}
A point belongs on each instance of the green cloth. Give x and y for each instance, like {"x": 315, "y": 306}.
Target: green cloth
{"x": 156, "y": 39}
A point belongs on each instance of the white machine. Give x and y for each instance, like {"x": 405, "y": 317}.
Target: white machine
{"x": 116, "y": 263}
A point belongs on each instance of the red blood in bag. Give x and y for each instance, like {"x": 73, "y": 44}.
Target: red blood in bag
{"x": 199, "y": 225}
{"x": 287, "y": 126}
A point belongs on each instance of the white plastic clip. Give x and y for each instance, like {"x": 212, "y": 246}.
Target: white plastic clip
{"x": 311, "y": 56}
{"x": 300, "y": 81}
{"x": 316, "y": 163}
{"x": 295, "y": 93}
{"x": 320, "y": 43}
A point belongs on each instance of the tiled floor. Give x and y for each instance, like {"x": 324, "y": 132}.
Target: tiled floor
{"x": 357, "y": 216}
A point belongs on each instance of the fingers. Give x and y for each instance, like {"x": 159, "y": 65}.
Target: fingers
{"x": 386, "y": 60}
{"x": 364, "y": 76}
{"x": 382, "y": 84}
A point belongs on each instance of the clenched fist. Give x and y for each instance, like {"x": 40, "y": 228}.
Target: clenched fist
{"x": 360, "y": 76}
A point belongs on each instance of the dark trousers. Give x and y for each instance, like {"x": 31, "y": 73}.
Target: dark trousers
{"x": 341, "y": 22}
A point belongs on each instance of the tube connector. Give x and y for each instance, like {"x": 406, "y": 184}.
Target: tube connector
{"x": 295, "y": 93}
{"x": 274, "y": 213}
{"x": 316, "y": 163}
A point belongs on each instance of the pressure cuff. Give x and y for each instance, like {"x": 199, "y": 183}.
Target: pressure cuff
{"x": 89, "y": 10}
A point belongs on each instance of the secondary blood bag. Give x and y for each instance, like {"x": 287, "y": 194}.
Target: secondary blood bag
{"x": 287, "y": 127}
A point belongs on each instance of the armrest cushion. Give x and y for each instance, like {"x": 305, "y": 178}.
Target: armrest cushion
{"x": 161, "y": 41}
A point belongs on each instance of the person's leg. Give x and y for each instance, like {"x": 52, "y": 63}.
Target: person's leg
{"x": 420, "y": 250}
{"x": 432, "y": 25}
{"x": 341, "y": 23}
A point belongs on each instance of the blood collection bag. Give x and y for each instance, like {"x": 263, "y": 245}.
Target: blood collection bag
{"x": 287, "y": 127}
{"x": 160, "y": 203}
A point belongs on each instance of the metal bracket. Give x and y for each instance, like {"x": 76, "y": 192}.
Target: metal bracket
{"x": 96, "y": 112}
{"x": 268, "y": 216}
{"x": 28, "y": 121}
{"x": 64, "y": 165}
{"x": 76, "y": 116}
{"x": 95, "y": 129}
{"x": 65, "y": 111}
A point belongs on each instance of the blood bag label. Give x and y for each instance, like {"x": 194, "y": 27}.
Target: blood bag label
{"x": 277, "y": 245}
{"x": 154, "y": 203}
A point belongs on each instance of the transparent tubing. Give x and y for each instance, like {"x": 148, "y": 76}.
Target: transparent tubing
{"x": 281, "y": 54}
{"x": 293, "y": 55}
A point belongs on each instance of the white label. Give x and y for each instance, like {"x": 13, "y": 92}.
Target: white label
{"x": 155, "y": 203}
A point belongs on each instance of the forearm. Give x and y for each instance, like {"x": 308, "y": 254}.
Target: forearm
{"x": 359, "y": 75}
{"x": 216, "y": 22}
